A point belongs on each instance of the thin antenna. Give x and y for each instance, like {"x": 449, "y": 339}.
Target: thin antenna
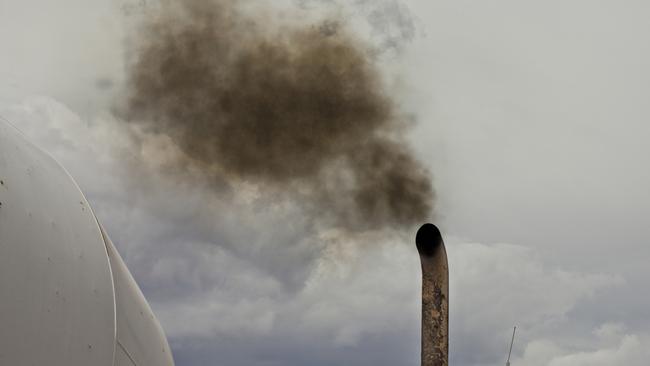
{"x": 511, "y": 342}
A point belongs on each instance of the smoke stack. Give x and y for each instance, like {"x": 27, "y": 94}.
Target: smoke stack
{"x": 435, "y": 296}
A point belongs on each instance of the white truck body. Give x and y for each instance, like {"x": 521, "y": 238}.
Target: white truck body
{"x": 66, "y": 296}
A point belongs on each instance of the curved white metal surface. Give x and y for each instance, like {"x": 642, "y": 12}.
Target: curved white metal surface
{"x": 140, "y": 338}
{"x": 66, "y": 296}
{"x": 56, "y": 290}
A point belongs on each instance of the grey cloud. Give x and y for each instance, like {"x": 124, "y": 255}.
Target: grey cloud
{"x": 614, "y": 347}
{"x": 494, "y": 287}
{"x": 55, "y": 49}
{"x": 218, "y": 297}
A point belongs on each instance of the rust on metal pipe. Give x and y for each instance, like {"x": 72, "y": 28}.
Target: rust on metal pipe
{"x": 435, "y": 296}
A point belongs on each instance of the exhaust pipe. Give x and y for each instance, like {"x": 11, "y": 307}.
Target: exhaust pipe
{"x": 435, "y": 296}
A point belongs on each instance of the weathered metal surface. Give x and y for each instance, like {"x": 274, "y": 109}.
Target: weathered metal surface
{"x": 435, "y": 296}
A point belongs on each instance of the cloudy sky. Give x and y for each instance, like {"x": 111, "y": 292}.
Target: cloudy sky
{"x": 532, "y": 117}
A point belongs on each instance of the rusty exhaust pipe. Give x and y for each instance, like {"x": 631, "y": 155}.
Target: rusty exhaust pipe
{"x": 435, "y": 296}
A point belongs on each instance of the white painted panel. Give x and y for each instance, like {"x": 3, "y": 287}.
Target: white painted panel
{"x": 139, "y": 334}
{"x": 122, "y": 358}
{"x": 56, "y": 294}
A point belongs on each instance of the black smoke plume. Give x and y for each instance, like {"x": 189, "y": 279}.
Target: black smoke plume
{"x": 299, "y": 109}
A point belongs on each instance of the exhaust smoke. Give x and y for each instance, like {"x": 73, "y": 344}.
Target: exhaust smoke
{"x": 298, "y": 109}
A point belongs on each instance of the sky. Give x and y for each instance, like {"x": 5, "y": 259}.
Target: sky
{"x": 531, "y": 117}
